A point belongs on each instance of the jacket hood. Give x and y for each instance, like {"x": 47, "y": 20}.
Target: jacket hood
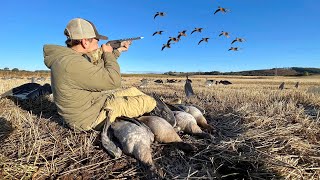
{"x": 51, "y": 53}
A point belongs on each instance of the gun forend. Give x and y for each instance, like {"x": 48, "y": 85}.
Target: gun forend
{"x": 115, "y": 44}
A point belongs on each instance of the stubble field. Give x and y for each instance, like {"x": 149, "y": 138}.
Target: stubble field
{"x": 261, "y": 133}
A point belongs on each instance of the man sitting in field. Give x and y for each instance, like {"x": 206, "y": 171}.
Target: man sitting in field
{"x": 88, "y": 94}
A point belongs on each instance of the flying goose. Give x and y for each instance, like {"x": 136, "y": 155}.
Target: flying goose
{"x": 203, "y": 39}
{"x": 238, "y": 39}
{"x": 234, "y": 49}
{"x": 166, "y": 46}
{"x": 182, "y": 33}
{"x": 197, "y": 30}
{"x": 157, "y": 32}
{"x": 221, "y": 9}
{"x": 226, "y": 34}
{"x": 172, "y": 39}
{"x": 159, "y": 14}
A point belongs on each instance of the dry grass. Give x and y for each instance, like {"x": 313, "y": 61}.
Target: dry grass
{"x": 262, "y": 133}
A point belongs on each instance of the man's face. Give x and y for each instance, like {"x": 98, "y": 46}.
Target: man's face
{"x": 93, "y": 45}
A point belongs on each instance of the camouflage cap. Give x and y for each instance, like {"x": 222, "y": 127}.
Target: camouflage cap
{"x": 79, "y": 28}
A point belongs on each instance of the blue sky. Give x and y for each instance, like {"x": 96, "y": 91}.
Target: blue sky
{"x": 279, "y": 33}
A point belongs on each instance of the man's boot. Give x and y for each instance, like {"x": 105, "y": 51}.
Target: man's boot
{"x": 108, "y": 144}
{"x": 162, "y": 110}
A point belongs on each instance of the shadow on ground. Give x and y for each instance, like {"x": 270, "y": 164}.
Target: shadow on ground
{"x": 42, "y": 107}
{"x": 5, "y": 129}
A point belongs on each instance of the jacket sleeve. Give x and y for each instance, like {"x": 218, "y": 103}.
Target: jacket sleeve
{"x": 85, "y": 75}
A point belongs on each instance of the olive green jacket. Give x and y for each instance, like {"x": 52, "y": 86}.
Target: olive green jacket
{"x": 78, "y": 85}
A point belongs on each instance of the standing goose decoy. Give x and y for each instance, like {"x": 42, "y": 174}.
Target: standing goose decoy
{"x": 165, "y": 133}
{"x": 172, "y": 39}
{"x": 281, "y": 87}
{"x": 28, "y": 91}
{"x": 144, "y": 83}
{"x": 297, "y": 85}
{"x": 203, "y": 39}
{"x": 182, "y": 33}
{"x": 238, "y": 39}
{"x": 209, "y": 82}
{"x": 159, "y": 14}
{"x": 221, "y": 9}
{"x": 135, "y": 139}
{"x": 225, "y": 82}
{"x": 166, "y": 46}
{"x": 188, "y": 124}
{"x": 157, "y": 32}
{"x": 197, "y": 30}
{"x": 226, "y": 34}
{"x": 188, "y": 88}
{"x": 234, "y": 49}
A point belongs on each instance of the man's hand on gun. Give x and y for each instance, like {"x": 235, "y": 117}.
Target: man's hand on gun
{"x": 124, "y": 46}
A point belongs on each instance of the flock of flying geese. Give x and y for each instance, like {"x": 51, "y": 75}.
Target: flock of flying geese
{"x": 199, "y": 30}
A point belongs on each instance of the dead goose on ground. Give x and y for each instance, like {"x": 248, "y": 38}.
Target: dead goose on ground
{"x": 196, "y": 111}
{"x": 135, "y": 139}
{"x": 165, "y": 133}
{"x": 188, "y": 124}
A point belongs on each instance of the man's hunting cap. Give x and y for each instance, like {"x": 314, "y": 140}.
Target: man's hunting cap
{"x": 82, "y": 29}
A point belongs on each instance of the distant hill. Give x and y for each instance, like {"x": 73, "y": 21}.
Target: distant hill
{"x": 292, "y": 71}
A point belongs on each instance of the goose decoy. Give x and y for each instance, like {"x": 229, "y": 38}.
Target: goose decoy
{"x": 197, "y": 30}
{"x": 165, "y": 133}
{"x": 157, "y": 32}
{"x": 188, "y": 88}
{"x": 238, "y": 39}
{"x": 203, "y": 39}
{"x": 166, "y": 46}
{"x": 209, "y": 82}
{"x": 28, "y": 91}
{"x": 159, "y": 14}
{"x": 172, "y": 39}
{"x": 182, "y": 33}
{"x": 221, "y": 9}
{"x": 135, "y": 139}
{"x": 158, "y": 81}
{"x": 144, "y": 83}
{"x": 226, "y": 34}
{"x": 234, "y": 49}
{"x": 225, "y": 82}
{"x": 297, "y": 85}
{"x": 281, "y": 87}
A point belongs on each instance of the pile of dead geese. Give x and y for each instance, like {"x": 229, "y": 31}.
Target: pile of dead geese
{"x": 135, "y": 135}
{"x": 177, "y": 38}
